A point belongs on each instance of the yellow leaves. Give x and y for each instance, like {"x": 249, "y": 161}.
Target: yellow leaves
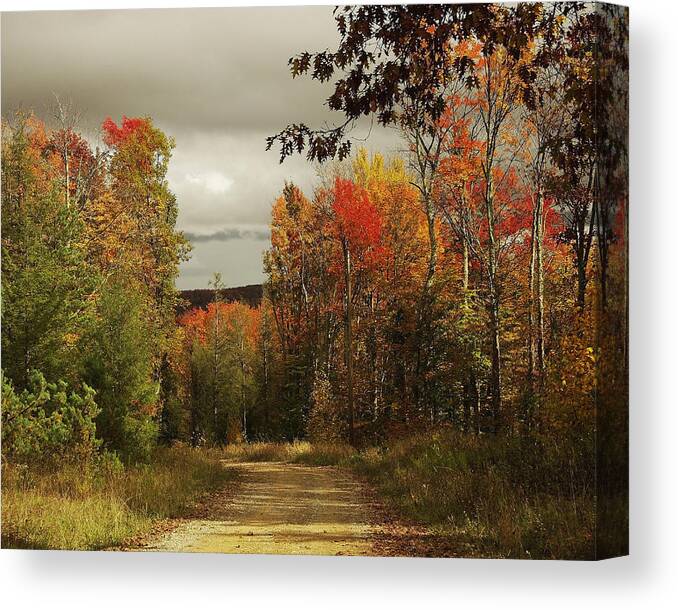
{"x": 571, "y": 378}
{"x": 71, "y": 339}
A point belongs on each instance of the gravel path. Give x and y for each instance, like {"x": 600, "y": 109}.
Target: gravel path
{"x": 283, "y": 509}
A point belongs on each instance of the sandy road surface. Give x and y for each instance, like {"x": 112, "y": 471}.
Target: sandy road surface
{"x": 284, "y": 509}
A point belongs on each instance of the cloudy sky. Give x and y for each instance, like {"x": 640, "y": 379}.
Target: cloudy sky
{"x": 215, "y": 79}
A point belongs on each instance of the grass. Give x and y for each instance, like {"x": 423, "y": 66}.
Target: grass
{"x": 299, "y": 452}
{"x": 101, "y": 505}
{"x": 511, "y": 498}
{"x": 508, "y": 497}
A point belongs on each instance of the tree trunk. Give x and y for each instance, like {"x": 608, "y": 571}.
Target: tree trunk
{"x": 475, "y": 401}
{"x": 468, "y": 391}
{"x": 433, "y": 243}
{"x": 267, "y": 402}
{"x": 495, "y": 378}
{"x": 68, "y": 173}
{"x": 424, "y": 317}
{"x": 242, "y": 393}
{"x": 465, "y": 264}
{"x": 536, "y": 307}
{"x": 495, "y": 385}
{"x": 215, "y": 376}
{"x": 581, "y": 284}
{"x": 531, "y": 343}
{"x": 540, "y": 286}
{"x": 348, "y": 341}
{"x": 194, "y": 407}
{"x": 471, "y": 406}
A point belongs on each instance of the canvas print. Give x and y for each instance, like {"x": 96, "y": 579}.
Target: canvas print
{"x": 316, "y": 280}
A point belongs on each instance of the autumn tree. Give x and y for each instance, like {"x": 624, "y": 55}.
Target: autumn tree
{"x": 298, "y": 292}
{"x": 134, "y": 225}
{"x": 394, "y": 288}
{"x": 388, "y": 55}
{"x": 220, "y": 351}
{"x": 46, "y": 281}
{"x": 356, "y": 225}
{"x": 89, "y": 260}
{"x": 264, "y": 420}
{"x": 82, "y": 169}
{"x": 457, "y": 186}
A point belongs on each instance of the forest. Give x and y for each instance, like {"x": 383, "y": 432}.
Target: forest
{"x": 451, "y": 322}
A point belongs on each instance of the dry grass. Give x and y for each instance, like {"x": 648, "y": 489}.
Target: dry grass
{"x": 99, "y": 506}
{"x": 512, "y": 499}
{"x": 262, "y": 452}
{"x": 299, "y": 452}
{"x": 508, "y": 497}
{"x": 325, "y": 455}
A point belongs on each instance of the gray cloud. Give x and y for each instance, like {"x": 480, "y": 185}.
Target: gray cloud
{"x": 216, "y": 80}
{"x": 227, "y": 235}
{"x": 191, "y": 69}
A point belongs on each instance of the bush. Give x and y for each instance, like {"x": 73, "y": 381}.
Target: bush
{"x": 45, "y": 423}
{"x": 139, "y": 438}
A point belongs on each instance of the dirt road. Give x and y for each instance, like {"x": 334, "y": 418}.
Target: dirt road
{"x": 284, "y": 509}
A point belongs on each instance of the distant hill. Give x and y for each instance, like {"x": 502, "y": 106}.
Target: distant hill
{"x": 202, "y": 297}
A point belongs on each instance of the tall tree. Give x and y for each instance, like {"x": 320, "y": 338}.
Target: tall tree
{"x": 46, "y": 281}
{"x": 356, "y": 225}
{"x": 388, "y": 55}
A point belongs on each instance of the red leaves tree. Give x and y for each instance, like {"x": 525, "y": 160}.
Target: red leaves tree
{"x": 115, "y": 136}
{"x": 356, "y": 225}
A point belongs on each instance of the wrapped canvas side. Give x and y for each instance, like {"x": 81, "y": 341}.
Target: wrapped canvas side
{"x": 610, "y": 215}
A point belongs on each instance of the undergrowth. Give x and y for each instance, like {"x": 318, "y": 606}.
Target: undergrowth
{"x": 99, "y": 505}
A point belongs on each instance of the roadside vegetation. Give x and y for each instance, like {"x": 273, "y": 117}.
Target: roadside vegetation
{"x": 506, "y": 498}
{"x": 299, "y": 452}
{"x": 100, "y": 505}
